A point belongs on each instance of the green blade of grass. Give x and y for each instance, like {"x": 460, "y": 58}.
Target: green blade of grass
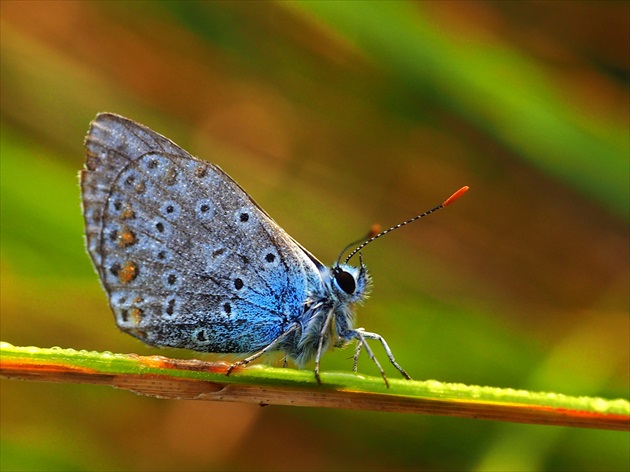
{"x": 197, "y": 380}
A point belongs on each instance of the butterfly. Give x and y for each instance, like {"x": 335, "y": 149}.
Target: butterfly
{"x": 189, "y": 260}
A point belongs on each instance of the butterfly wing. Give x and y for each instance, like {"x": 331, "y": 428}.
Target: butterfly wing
{"x": 187, "y": 258}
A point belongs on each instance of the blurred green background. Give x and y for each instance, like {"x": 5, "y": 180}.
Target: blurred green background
{"x": 335, "y": 116}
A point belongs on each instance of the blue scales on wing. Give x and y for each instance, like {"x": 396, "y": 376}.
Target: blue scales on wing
{"x": 186, "y": 256}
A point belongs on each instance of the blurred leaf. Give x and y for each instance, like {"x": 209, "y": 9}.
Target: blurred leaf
{"x": 494, "y": 86}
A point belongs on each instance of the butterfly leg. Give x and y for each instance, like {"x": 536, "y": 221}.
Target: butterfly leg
{"x": 270, "y": 347}
{"x": 357, "y": 351}
{"x": 320, "y": 345}
{"x": 361, "y": 335}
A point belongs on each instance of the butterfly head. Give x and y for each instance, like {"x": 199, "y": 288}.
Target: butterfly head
{"x": 351, "y": 283}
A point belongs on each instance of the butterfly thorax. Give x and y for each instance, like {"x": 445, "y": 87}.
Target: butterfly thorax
{"x": 329, "y": 311}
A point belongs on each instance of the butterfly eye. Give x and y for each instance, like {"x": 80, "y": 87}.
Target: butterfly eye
{"x": 345, "y": 280}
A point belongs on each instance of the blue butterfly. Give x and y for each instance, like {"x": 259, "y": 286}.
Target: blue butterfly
{"x": 189, "y": 260}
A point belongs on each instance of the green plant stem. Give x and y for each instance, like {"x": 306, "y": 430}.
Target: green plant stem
{"x": 163, "y": 377}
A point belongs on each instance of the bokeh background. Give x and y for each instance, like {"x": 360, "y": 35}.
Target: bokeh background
{"x": 335, "y": 116}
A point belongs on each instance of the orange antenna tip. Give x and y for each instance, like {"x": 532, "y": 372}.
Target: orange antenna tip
{"x": 455, "y": 196}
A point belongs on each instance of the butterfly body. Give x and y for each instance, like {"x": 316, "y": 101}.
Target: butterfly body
{"x": 189, "y": 260}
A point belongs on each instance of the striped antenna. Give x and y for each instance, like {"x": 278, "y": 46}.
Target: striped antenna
{"x": 446, "y": 202}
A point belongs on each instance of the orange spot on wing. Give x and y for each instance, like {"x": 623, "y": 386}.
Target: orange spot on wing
{"x": 126, "y": 237}
{"x": 128, "y": 273}
{"x": 127, "y": 213}
{"x": 136, "y": 314}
